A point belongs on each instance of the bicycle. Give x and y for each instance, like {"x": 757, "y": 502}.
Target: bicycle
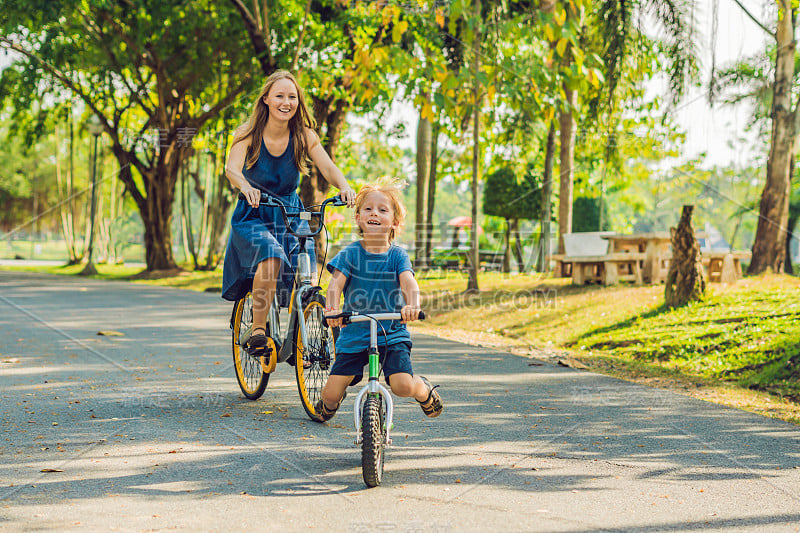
{"x": 309, "y": 344}
{"x": 373, "y": 412}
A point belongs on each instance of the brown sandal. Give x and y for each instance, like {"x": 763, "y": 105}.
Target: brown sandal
{"x": 432, "y": 406}
{"x": 258, "y": 343}
{"x": 324, "y": 413}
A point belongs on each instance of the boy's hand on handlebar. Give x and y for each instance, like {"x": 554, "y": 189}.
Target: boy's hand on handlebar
{"x": 252, "y": 195}
{"x": 409, "y": 313}
{"x": 348, "y": 195}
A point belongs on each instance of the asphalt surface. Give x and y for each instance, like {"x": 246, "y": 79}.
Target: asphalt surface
{"x": 147, "y": 431}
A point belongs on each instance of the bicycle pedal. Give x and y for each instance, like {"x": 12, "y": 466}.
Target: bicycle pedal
{"x": 270, "y": 358}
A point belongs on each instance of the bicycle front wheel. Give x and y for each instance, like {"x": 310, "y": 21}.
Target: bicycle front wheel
{"x": 314, "y": 355}
{"x": 249, "y": 372}
{"x": 373, "y": 439}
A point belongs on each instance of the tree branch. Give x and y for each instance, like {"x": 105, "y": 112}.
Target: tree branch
{"x": 101, "y": 38}
{"x": 222, "y": 103}
{"x": 302, "y": 35}
{"x": 265, "y": 29}
{"x": 754, "y": 19}
{"x": 257, "y": 39}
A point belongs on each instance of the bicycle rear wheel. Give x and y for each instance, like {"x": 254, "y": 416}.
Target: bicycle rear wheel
{"x": 249, "y": 372}
{"x": 373, "y": 439}
{"x": 313, "y": 359}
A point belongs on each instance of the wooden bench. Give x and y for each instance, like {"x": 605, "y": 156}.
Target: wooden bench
{"x": 723, "y": 267}
{"x": 607, "y": 269}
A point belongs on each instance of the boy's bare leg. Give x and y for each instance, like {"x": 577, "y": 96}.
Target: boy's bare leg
{"x": 334, "y": 389}
{"x": 264, "y": 284}
{"x": 408, "y": 386}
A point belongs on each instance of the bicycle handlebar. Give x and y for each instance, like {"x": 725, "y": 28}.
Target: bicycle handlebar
{"x": 354, "y": 316}
{"x": 303, "y": 214}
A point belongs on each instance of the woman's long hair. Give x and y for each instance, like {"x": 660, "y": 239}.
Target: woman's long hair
{"x": 254, "y": 127}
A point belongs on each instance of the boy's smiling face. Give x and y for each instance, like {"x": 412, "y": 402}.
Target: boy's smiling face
{"x": 376, "y": 215}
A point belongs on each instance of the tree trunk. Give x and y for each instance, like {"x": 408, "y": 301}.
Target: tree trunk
{"x": 543, "y": 261}
{"x": 157, "y": 220}
{"x": 518, "y": 247}
{"x": 314, "y": 188}
{"x": 566, "y": 162}
{"x": 67, "y": 228}
{"x": 788, "y": 268}
{"x": 769, "y": 246}
{"x": 429, "y": 220}
{"x": 155, "y": 205}
{"x": 423, "y": 174}
{"x": 685, "y": 281}
{"x": 472, "y": 284}
{"x": 507, "y": 247}
{"x": 218, "y": 213}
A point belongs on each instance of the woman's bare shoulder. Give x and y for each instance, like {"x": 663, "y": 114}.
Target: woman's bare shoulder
{"x": 312, "y": 139}
{"x": 240, "y": 134}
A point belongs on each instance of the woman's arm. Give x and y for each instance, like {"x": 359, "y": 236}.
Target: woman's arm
{"x": 410, "y": 289}
{"x": 328, "y": 168}
{"x": 334, "y": 294}
{"x": 233, "y": 171}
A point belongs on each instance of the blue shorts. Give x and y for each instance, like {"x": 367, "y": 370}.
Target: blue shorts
{"x": 394, "y": 358}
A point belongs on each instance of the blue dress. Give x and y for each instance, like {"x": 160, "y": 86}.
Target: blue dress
{"x": 259, "y": 234}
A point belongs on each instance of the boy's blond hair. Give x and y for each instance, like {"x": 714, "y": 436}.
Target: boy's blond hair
{"x": 392, "y": 192}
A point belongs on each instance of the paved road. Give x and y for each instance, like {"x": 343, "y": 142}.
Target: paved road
{"x": 149, "y": 432}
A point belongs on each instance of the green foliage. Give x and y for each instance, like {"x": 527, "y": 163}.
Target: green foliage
{"x": 510, "y": 196}
{"x": 586, "y": 215}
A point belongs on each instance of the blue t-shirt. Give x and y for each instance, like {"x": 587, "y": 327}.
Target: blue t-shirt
{"x": 373, "y": 286}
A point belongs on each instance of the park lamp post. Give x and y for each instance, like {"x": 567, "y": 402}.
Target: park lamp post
{"x": 95, "y": 127}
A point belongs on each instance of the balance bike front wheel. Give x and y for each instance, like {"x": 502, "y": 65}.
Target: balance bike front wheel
{"x": 373, "y": 439}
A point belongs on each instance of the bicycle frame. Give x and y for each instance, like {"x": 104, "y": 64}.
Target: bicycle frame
{"x": 373, "y": 386}
{"x": 303, "y": 275}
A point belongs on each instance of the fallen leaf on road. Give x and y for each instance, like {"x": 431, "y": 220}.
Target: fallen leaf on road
{"x": 11, "y": 360}
{"x": 110, "y": 333}
{"x": 51, "y": 470}
{"x": 267, "y": 412}
{"x": 569, "y": 362}
{"x": 224, "y": 415}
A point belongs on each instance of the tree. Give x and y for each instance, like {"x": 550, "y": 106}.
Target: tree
{"x": 613, "y": 27}
{"x": 686, "y": 280}
{"x": 513, "y": 197}
{"x": 141, "y": 67}
{"x": 773, "y": 95}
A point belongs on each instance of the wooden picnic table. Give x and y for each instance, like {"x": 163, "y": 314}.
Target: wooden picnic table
{"x": 656, "y": 249}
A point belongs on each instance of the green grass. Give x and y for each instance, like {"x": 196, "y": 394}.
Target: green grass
{"x": 743, "y": 338}
{"x": 55, "y": 250}
{"x": 748, "y": 333}
{"x": 185, "y": 279}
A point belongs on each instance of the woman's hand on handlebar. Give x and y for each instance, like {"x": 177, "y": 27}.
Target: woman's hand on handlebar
{"x": 252, "y": 195}
{"x": 348, "y": 195}
{"x": 333, "y": 322}
{"x": 409, "y": 313}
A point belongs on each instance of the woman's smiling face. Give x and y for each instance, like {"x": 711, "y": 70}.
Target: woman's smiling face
{"x": 281, "y": 100}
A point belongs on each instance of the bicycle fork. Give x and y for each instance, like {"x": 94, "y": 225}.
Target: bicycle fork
{"x": 373, "y": 386}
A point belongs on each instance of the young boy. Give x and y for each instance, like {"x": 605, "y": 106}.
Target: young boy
{"x": 376, "y": 277}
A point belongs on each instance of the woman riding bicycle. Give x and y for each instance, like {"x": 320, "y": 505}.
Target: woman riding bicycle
{"x": 269, "y": 153}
